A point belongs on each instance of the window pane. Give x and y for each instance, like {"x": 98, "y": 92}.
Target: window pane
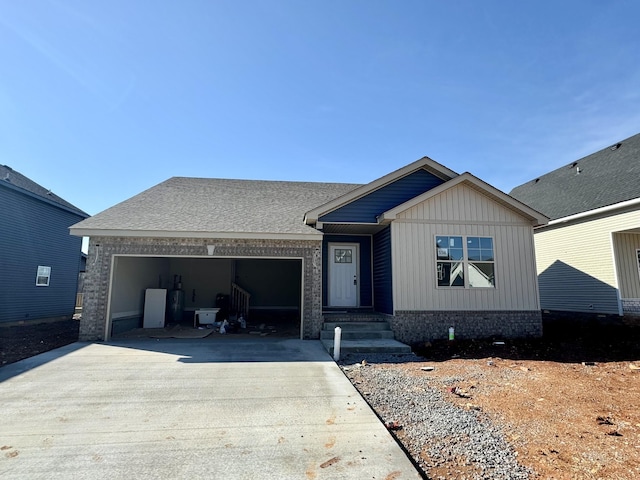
{"x": 455, "y": 254}
{"x": 473, "y": 242}
{"x": 486, "y": 242}
{"x": 448, "y": 248}
{"x": 474, "y": 254}
{"x": 450, "y": 274}
{"x": 486, "y": 255}
{"x": 342, "y": 255}
{"x": 481, "y": 275}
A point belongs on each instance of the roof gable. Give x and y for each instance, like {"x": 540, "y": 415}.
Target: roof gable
{"x": 367, "y": 208}
{"x": 604, "y": 178}
{"x": 434, "y": 175}
{"x": 470, "y": 181}
{"x": 15, "y": 180}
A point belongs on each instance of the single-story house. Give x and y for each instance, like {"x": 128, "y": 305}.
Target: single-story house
{"x": 423, "y": 246}
{"x": 39, "y": 261}
{"x": 588, "y": 255}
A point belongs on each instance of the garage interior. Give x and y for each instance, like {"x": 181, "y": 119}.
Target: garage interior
{"x": 269, "y": 290}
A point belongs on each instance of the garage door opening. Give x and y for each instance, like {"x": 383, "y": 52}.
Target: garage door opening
{"x": 180, "y": 294}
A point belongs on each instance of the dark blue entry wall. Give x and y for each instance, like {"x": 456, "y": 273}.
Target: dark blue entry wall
{"x": 365, "y": 209}
{"x": 364, "y": 245}
{"x": 382, "y": 280}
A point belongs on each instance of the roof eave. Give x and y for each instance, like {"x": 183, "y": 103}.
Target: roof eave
{"x": 23, "y": 191}
{"x": 100, "y": 232}
{"x": 597, "y": 211}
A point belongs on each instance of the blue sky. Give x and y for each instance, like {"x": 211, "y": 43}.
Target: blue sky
{"x": 101, "y": 100}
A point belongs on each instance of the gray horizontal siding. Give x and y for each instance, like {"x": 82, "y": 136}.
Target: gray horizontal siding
{"x": 365, "y": 209}
{"x": 36, "y": 233}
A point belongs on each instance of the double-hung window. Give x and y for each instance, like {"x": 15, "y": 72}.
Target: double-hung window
{"x": 43, "y": 276}
{"x": 465, "y": 261}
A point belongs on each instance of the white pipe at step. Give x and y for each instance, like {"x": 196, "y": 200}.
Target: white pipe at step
{"x": 337, "y": 337}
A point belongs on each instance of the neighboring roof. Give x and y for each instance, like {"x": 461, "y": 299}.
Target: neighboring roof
{"x": 311, "y": 217}
{"x": 604, "y": 178}
{"x": 13, "y": 179}
{"x": 210, "y": 207}
{"x": 471, "y": 181}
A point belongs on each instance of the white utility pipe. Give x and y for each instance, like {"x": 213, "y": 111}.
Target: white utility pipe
{"x": 337, "y": 337}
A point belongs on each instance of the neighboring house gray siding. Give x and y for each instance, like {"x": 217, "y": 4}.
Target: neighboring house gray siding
{"x": 35, "y": 233}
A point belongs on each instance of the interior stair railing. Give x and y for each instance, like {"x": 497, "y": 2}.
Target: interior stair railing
{"x": 239, "y": 300}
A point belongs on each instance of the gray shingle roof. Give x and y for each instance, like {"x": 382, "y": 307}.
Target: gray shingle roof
{"x": 9, "y": 176}
{"x": 607, "y": 177}
{"x": 213, "y": 205}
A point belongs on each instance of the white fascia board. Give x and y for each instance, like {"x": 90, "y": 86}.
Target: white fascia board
{"x": 526, "y": 211}
{"x": 91, "y": 232}
{"x": 597, "y": 211}
{"x": 425, "y": 163}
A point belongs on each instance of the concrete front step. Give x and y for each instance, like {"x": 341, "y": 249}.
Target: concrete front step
{"x": 357, "y": 334}
{"x": 368, "y": 346}
{"x": 368, "y": 326}
{"x": 354, "y": 317}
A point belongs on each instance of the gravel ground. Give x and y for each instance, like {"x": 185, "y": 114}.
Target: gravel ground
{"x": 445, "y": 440}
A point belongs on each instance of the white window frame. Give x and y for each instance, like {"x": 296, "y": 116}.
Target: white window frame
{"x": 43, "y": 273}
{"x": 465, "y": 261}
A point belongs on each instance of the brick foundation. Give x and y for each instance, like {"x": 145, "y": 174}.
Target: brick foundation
{"x": 631, "y": 307}
{"x": 102, "y": 250}
{"x": 419, "y": 326}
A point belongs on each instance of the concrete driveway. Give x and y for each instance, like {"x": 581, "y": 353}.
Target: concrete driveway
{"x": 208, "y": 408}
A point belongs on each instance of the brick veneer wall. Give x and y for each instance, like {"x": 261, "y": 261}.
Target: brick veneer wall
{"x": 102, "y": 249}
{"x": 631, "y": 306}
{"x": 419, "y": 326}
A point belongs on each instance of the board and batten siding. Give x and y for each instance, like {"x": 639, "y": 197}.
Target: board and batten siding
{"x": 626, "y": 246}
{"x": 463, "y": 211}
{"x": 576, "y": 264}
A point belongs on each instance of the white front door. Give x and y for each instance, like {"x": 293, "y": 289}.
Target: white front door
{"x": 343, "y": 275}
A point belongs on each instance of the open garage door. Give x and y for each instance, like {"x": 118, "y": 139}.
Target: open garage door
{"x": 274, "y": 287}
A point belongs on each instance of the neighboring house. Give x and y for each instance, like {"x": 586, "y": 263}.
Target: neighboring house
{"x": 423, "y": 246}
{"x": 588, "y": 255}
{"x": 39, "y": 261}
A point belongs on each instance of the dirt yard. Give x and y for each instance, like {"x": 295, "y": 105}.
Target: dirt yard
{"x": 24, "y": 341}
{"x": 569, "y": 404}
